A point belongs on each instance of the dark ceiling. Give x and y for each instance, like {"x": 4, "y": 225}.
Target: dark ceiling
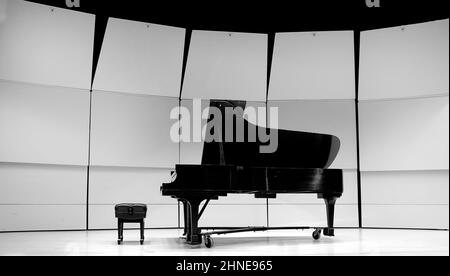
{"x": 269, "y": 16}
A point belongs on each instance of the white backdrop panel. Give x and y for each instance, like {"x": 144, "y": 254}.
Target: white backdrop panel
{"x": 313, "y": 66}
{"x": 311, "y": 215}
{"x": 132, "y": 131}
{"x": 158, "y": 216}
{"x": 43, "y": 124}
{"x": 405, "y": 134}
{"x": 231, "y": 66}
{"x": 141, "y": 58}
{"x": 114, "y": 185}
{"x": 413, "y": 187}
{"x": 42, "y": 217}
{"x": 46, "y": 45}
{"x": 31, "y": 184}
{"x": 192, "y": 152}
{"x": 234, "y": 216}
{"x": 406, "y": 216}
{"x": 405, "y": 62}
{"x": 326, "y": 117}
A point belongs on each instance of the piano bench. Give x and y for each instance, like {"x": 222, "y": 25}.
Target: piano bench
{"x": 130, "y": 213}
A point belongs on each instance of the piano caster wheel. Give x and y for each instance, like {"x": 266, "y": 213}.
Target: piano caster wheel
{"x": 209, "y": 242}
{"x": 142, "y": 242}
{"x": 119, "y": 242}
{"x": 317, "y": 234}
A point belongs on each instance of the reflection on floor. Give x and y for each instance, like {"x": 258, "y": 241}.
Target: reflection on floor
{"x": 167, "y": 243}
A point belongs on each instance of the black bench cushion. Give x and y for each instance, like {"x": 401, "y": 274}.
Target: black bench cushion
{"x": 131, "y": 211}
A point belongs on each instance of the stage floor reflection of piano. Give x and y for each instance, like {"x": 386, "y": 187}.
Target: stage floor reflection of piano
{"x": 300, "y": 165}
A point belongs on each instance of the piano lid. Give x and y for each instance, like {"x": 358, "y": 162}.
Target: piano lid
{"x": 295, "y": 149}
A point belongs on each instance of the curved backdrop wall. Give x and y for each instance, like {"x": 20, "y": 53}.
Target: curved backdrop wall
{"x": 45, "y": 77}
{"x": 404, "y": 111}
{"x": 69, "y": 152}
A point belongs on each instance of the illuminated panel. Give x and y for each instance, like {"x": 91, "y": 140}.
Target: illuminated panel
{"x": 141, "y": 58}
{"x": 46, "y": 45}
{"x": 226, "y": 66}
{"x": 313, "y": 66}
{"x": 405, "y": 62}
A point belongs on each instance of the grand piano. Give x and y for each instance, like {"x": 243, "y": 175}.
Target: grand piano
{"x": 299, "y": 166}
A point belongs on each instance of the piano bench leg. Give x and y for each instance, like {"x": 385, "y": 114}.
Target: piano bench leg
{"x": 120, "y": 224}
{"x": 142, "y": 226}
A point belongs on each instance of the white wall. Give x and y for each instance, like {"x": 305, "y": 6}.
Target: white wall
{"x": 404, "y": 126}
{"x": 42, "y": 217}
{"x": 42, "y": 197}
{"x": 131, "y": 156}
{"x": 45, "y": 45}
{"x": 43, "y": 124}
{"x": 141, "y": 58}
{"x": 45, "y": 76}
{"x": 235, "y": 215}
{"x": 112, "y": 185}
{"x": 405, "y": 134}
{"x": 405, "y": 61}
{"x": 42, "y": 184}
{"x": 102, "y": 217}
{"x": 136, "y": 86}
{"x": 226, "y": 66}
{"x": 418, "y": 199}
{"x": 132, "y": 130}
{"x": 313, "y": 66}
{"x": 43, "y": 157}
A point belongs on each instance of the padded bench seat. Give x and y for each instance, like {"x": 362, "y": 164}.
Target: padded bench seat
{"x": 130, "y": 213}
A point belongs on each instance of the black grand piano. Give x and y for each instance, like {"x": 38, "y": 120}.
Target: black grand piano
{"x": 300, "y": 165}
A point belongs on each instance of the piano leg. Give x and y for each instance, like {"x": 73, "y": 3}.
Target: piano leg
{"x": 194, "y": 235}
{"x": 187, "y": 223}
{"x": 186, "y": 217}
{"x": 330, "y": 203}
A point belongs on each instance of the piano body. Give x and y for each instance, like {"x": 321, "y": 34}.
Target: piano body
{"x": 300, "y": 165}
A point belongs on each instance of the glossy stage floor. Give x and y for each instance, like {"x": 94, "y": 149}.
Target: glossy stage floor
{"x": 166, "y": 243}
